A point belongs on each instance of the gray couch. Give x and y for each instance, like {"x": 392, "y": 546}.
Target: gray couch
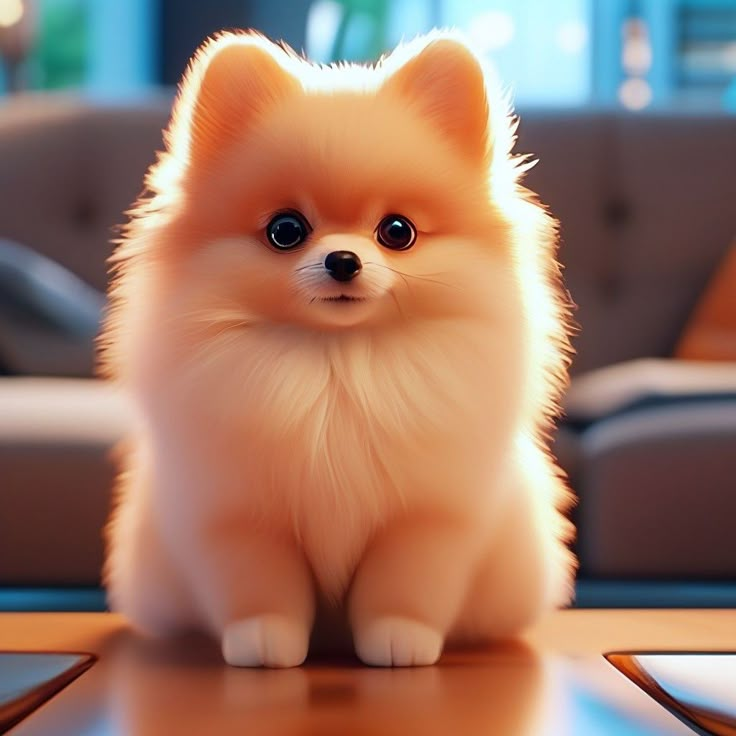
{"x": 647, "y": 210}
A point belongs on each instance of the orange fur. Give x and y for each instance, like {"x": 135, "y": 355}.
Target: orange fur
{"x": 389, "y": 455}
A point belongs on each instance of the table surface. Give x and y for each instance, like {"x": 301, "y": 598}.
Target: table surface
{"x": 555, "y": 681}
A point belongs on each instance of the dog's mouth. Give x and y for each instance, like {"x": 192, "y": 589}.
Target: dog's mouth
{"x": 343, "y": 298}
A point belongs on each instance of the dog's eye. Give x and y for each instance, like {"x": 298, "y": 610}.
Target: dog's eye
{"x": 287, "y": 230}
{"x": 396, "y": 232}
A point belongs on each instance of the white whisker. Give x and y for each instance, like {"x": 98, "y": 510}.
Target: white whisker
{"x": 412, "y": 276}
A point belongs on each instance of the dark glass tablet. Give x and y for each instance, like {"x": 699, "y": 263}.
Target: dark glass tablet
{"x": 697, "y": 687}
{"x": 28, "y": 679}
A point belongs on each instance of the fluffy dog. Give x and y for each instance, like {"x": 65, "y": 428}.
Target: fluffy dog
{"x": 340, "y": 319}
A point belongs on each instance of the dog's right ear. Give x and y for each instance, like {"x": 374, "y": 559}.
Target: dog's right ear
{"x": 444, "y": 80}
{"x": 231, "y": 78}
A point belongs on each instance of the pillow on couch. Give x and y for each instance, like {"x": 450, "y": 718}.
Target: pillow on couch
{"x": 48, "y": 316}
{"x": 710, "y": 334}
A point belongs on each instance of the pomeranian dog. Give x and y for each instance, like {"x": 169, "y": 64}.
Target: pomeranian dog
{"x": 341, "y": 322}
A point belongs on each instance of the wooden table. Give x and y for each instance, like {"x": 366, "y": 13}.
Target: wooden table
{"x": 555, "y": 682}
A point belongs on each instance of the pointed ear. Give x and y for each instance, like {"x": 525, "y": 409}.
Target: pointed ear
{"x": 446, "y": 82}
{"x": 231, "y": 78}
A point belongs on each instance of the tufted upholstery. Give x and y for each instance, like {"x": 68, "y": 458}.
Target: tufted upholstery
{"x": 646, "y": 204}
{"x": 648, "y": 207}
{"x": 68, "y": 171}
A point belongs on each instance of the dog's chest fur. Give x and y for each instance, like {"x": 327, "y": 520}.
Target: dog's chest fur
{"x": 343, "y": 432}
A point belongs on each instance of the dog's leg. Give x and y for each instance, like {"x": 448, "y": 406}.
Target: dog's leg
{"x": 408, "y": 589}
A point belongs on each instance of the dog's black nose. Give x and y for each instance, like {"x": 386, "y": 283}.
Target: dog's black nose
{"x": 343, "y": 265}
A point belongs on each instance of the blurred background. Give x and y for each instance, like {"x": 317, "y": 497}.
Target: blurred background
{"x": 630, "y": 106}
{"x": 634, "y": 53}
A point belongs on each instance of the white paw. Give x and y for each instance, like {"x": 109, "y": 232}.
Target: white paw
{"x": 398, "y": 642}
{"x": 265, "y": 641}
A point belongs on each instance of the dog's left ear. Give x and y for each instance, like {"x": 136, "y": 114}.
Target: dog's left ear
{"x": 231, "y": 79}
{"x": 446, "y": 82}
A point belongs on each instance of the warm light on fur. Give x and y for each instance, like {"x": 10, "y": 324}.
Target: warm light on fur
{"x": 387, "y": 457}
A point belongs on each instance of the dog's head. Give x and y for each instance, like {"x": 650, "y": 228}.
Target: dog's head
{"x": 332, "y": 197}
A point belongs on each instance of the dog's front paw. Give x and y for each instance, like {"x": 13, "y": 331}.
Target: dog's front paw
{"x": 265, "y": 641}
{"x": 393, "y": 641}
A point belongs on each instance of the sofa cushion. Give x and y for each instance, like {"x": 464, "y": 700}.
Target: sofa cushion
{"x": 660, "y": 493}
{"x": 56, "y": 471}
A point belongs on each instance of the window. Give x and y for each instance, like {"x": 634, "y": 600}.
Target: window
{"x": 101, "y": 46}
{"x": 632, "y": 53}
{"x": 541, "y": 49}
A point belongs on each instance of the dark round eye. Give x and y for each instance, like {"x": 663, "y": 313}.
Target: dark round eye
{"x": 287, "y": 230}
{"x": 396, "y": 232}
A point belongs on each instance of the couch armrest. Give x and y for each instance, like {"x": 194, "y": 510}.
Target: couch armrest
{"x": 55, "y": 477}
{"x": 647, "y": 382}
{"x": 658, "y": 493}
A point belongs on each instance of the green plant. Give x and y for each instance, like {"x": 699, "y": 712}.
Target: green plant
{"x": 59, "y": 58}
